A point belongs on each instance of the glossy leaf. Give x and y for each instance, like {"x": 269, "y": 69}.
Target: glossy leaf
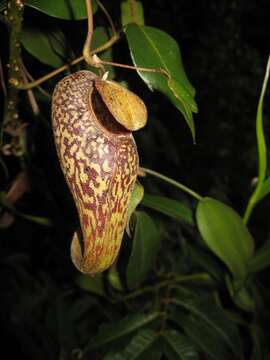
{"x": 162, "y": 52}
{"x": 153, "y": 48}
{"x": 225, "y": 234}
{"x": 111, "y": 332}
{"x": 210, "y": 316}
{"x": 140, "y": 345}
{"x": 63, "y": 9}
{"x": 241, "y": 294}
{"x": 260, "y": 260}
{"x": 48, "y": 46}
{"x": 135, "y": 200}
{"x": 170, "y": 207}
{"x": 145, "y": 246}
{"x": 132, "y": 12}
{"x": 178, "y": 347}
{"x": 181, "y": 93}
{"x": 206, "y": 339}
{"x": 138, "y": 348}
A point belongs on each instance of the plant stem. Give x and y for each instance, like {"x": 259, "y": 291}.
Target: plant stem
{"x": 176, "y": 280}
{"x": 108, "y": 16}
{"x": 131, "y": 67}
{"x": 249, "y": 208}
{"x": 2, "y": 79}
{"x": 262, "y": 156}
{"x": 172, "y": 182}
{"x": 12, "y": 121}
{"x": 132, "y": 5}
{"x": 87, "y": 45}
{"x": 55, "y": 72}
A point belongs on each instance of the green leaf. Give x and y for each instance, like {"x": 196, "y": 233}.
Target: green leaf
{"x": 225, "y": 234}
{"x": 205, "y": 260}
{"x": 114, "y": 356}
{"x": 170, "y": 207}
{"x": 138, "y": 348}
{"x": 261, "y": 189}
{"x": 63, "y": 9}
{"x": 262, "y": 156}
{"x": 182, "y": 94}
{"x": 265, "y": 189}
{"x": 114, "y": 278}
{"x": 206, "y": 339}
{"x": 140, "y": 345}
{"x": 109, "y": 333}
{"x": 94, "y": 284}
{"x": 132, "y": 12}
{"x": 178, "y": 347}
{"x": 162, "y": 52}
{"x": 135, "y": 200}
{"x": 153, "y": 48}
{"x": 210, "y": 316}
{"x": 36, "y": 219}
{"x": 47, "y": 45}
{"x": 145, "y": 246}
{"x": 241, "y": 294}
{"x": 260, "y": 260}
{"x": 259, "y": 348}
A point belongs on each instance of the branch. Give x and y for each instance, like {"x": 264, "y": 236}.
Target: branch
{"x": 2, "y": 79}
{"x": 97, "y": 60}
{"x": 14, "y": 18}
{"x": 87, "y": 45}
{"x": 171, "y": 181}
{"x": 199, "y": 277}
{"x": 55, "y": 72}
{"x": 108, "y": 16}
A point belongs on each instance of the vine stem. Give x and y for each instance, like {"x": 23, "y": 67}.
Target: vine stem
{"x": 262, "y": 156}
{"x": 88, "y": 55}
{"x": 132, "y": 5}
{"x": 55, "y": 72}
{"x": 87, "y": 45}
{"x": 108, "y": 16}
{"x": 172, "y": 182}
{"x": 201, "y": 277}
{"x": 97, "y": 60}
{"x": 2, "y": 79}
{"x": 12, "y": 122}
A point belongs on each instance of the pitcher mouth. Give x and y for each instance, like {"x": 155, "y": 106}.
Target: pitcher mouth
{"x": 103, "y": 117}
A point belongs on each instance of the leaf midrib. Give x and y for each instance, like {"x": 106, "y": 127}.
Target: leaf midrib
{"x": 139, "y": 324}
{"x": 206, "y": 319}
{"x": 155, "y": 48}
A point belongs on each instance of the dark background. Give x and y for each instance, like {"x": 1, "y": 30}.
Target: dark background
{"x": 225, "y": 45}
